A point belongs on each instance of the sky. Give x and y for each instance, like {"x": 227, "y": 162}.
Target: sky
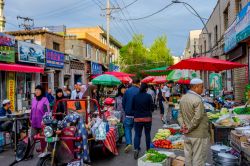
{"x": 175, "y": 21}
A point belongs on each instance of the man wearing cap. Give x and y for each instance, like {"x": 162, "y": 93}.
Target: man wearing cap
{"x": 194, "y": 122}
{"x": 4, "y": 111}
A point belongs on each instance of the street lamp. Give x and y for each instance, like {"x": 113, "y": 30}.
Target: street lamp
{"x": 197, "y": 14}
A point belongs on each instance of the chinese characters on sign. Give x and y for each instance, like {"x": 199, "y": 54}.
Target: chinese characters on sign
{"x": 11, "y": 89}
{"x": 54, "y": 59}
{"x": 7, "y": 40}
{"x": 96, "y": 68}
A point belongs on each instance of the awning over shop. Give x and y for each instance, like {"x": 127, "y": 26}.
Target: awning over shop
{"x": 21, "y": 68}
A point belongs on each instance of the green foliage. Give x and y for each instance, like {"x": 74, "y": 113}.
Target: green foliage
{"x": 135, "y": 56}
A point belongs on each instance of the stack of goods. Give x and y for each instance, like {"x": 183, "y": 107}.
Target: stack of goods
{"x": 242, "y": 110}
{"x": 168, "y": 139}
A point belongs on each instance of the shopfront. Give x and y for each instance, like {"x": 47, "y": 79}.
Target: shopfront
{"x": 77, "y": 73}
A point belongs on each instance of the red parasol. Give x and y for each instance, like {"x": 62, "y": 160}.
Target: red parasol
{"x": 148, "y": 79}
{"x": 125, "y": 79}
{"x": 206, "y": 64}
{"x": 119, "y": 74}
{"x": 184, "y": 81}
{"x": 160, "y": 79}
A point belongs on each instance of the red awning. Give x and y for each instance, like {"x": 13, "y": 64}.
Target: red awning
{"x": 206, "y": 64}
{"x": 21, "y": 68}
{"x": 119, "y": 74}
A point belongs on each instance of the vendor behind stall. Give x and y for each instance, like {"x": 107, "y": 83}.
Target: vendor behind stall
{"x": 4, "y": 111}
{"x": 194, "y": 122}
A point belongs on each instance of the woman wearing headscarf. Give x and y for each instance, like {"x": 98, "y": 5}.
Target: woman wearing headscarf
{"x": 60, "y": 106}
{"x": 40, "y": 105}
{"x": 143, "y": 107}
{"x": 118, "y": 100}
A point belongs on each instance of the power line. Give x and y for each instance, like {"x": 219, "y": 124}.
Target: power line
{"x": 98, "y": 4}
{"x": 69, "y": 6}
{"x": 140, "y": 18}
{"x": 193, "y": 12}
{"x": 129, "y": 4}
{"x": 133, "y": 31}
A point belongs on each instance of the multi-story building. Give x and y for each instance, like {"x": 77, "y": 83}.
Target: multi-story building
{"x": 90, "y": 45}
{"x": 192, "y": 46}
{"x": 219, "y": 40}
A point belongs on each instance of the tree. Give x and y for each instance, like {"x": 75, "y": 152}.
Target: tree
{"x": 135, "y": 56}
{"x": 159, "y": 52}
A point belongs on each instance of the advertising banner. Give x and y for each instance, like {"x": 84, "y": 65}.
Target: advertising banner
{"x": 96, "y": 68}
{"x": 7, "y": 40}
{"x": 215, "y": 83}
{"x": 11, "y": 89}
{"x": 54, "y": 59}
{"x": 7, "y": 54}
{"x": 230, "y": 38}
{"x": 31, "y": 53}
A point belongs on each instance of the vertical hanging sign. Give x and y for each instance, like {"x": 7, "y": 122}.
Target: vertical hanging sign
{"x": 11, "y": 89}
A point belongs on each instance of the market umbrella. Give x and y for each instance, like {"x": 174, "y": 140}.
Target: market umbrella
{"x": 176, "y": 75}
{"x": 119, "y": 74}
{"x": 148, "y": 79}
{"x": 184, "y": 81}
{"x": 125, "y": 79}
{"x": 106, "y": 79}
{"x": 160, "y": 79}
{"x": 156, "y": 71}
{"x": 206, "y": 64}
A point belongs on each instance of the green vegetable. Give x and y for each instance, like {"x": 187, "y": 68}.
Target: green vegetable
{"x": 154, "y": 156}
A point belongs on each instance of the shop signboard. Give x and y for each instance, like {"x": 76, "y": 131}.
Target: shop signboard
{"x": 96, "y": 68}
{"x": 243, "y": 23}
{"x": 7, "y": 40}
{"x": 7, "y": 54}
{"x": 11, "y": 89}
{"x": 54, "y": 59}
{"x": 31, "y": 53}
{"x": 230, "y": 38}
{"x": 114, "y": 67}
{"x": 215, "y": 83}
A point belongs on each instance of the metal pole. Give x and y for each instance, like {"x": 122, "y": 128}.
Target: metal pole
{"x": 108, "y": 28}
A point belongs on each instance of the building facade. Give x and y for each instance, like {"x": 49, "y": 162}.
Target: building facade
{"x": 90, "y": 45}
{"x": 219, "y": 41}
{"x": 192, "y": 46}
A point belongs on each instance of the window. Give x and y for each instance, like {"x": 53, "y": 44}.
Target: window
{"x": 238, "y": 6}
{"x": 215, "y": 35}
{"x": 56, "y": 46}
{"x": 88, "y": 51}
{"x": 97, "y": 55}
{"x": 29, "y": 40}
{"x": 205, "y": 46}
{"x": 225, "y": 14}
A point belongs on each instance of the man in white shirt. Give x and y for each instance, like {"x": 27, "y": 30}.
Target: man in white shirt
{"x": 166, "y": 94}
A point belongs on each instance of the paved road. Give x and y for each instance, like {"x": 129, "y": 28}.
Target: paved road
{"x": 100, "y": 159}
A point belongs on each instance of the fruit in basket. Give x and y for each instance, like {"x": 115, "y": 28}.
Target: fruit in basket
{"x": 224, "y": 111}
{"x": 178, "y": 144}
{"x": 163, "y": 144}
{"x": 213, "y": 116}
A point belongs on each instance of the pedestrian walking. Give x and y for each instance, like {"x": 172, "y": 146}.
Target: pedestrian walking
{"x": 61, "y": 105}
{"x": 166, "y": 95}
{"x": 50, "y": 98}
{"x": 118, "y": 101}
{"x": 143, "y": 106}
{"x": 194, "y": 122}
{"x": 160, "y": 100}
{"x": 40, "y": 105}
{"x": 77, "y": 93}
{"x": 5, "y": 111}
{"x": 129, "y": 113}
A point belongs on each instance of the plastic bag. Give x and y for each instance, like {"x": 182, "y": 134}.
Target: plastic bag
{"x": 100, "y": 132}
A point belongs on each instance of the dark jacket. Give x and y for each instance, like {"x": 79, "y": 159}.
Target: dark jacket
{"x": 143, "y": 105}
{"x": 128, "y": 99}
{"x": 50, "y": 98}
{"x": 3, "y": 112}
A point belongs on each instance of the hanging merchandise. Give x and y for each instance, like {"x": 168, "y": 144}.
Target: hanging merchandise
{"x": 100, "y": 132}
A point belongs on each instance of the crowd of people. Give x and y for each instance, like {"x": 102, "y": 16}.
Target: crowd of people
{"x": 136, "y": 102}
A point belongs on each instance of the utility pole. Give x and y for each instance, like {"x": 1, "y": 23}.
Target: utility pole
{"x": 108, "y": 13}
{"x": 28, "y": 23}
{"x": 2, "y": 18}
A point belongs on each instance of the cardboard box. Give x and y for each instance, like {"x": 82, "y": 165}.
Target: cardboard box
{"x": 179, "y": 161}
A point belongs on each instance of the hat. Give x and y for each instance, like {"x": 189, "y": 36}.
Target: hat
{"x": 6, "y": 101}
{"x": 196, "y": 81}
{"x": 79, "y": 83}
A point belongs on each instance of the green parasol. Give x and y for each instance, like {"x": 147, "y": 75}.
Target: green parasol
{"x": 176, "y": 75}
{"x": 107, "y": 80}
{"x": 156, "y": 71}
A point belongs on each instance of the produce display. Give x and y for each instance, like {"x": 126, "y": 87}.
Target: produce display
{"x": 162, "y": 134}
{"x": 217, "y": 115}
{"x": 179, "y": 144}
{"x": 154, "y": 156}
{"x": 242, "y": 110}
{"x": 228, "y": 121}
{"x": 166, "y": 144}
